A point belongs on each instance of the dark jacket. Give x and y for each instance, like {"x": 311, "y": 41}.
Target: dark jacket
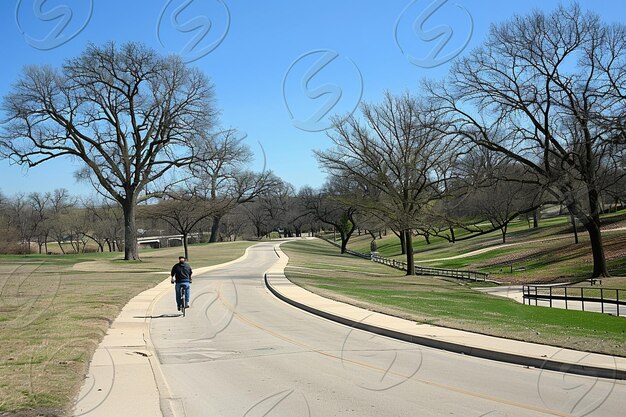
{"x": 182, "y": 272}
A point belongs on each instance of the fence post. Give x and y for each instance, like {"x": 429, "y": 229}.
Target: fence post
{"x": 601, "y": 300}
{"x": 566, "y": 298}
{"x": 617, "y": 299}
{"x": 550, "y": 297}
{"x": 582, "y": 299}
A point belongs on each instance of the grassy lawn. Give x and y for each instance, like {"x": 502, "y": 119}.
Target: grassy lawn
{"x": 54, "y": 310}
{"x": 532, "y": 255}
{"x": 318, "y": 267}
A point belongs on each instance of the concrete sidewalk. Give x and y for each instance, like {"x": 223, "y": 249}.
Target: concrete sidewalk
{"x": 124, "y": 374}
{"x": 473, "y": 344}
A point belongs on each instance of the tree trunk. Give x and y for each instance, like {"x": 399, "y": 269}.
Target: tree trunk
{"x": 597, "y": 248}
{"x": 535, "y": 219}
{"x": 185, "y": 245}
{"x": 402, "y": 243}
{"x": 61, "y": 246}
{"x": 452, "y": 234}
{"x": 215, "y": 229}
{"x": 344, "y": 242}
{"x": 345, "y": 235}
{"x": 592, "y": 225}
{"x": 503, "y": 230}
{"x": 130, "y": 230}
{"x": 75, "y": 246}
{"x": 573, "y": 220}
{"x": 410, "y": 261}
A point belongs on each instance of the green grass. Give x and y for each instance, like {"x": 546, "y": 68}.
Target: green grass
{"x": 54, "y": 310}
{"x": 447, "y": 302}
{"x": 543, "y": 254}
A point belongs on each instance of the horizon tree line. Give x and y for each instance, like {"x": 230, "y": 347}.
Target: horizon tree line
{"x": 533, "y": 116}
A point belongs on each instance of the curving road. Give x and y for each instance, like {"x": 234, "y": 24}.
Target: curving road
{"x": 242, "y": 352}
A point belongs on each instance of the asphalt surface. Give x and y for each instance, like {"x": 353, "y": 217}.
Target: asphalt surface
{"x": 242, "y": 352}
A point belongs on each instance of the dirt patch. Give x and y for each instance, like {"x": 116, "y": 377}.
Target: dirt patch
{"x": 39, "y": 412}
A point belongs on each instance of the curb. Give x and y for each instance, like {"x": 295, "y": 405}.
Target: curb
{"x": 517, "y": 359}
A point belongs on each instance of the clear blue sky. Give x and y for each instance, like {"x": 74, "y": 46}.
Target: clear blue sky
{"x": 259, "y": 54}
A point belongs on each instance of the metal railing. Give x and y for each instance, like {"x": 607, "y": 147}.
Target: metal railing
{"x": 431, "y": 271}
{"x": 420, "y": 270}
{"x": 574, "y": 295}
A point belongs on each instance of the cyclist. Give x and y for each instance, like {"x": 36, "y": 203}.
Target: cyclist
{"x": 181, "y": 275}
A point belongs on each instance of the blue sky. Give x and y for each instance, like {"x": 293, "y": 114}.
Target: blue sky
{"x": 281, "y": 68}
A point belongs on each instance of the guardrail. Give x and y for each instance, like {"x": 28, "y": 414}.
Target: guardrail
{"x": 578, "y": 295}
{"x": 420, "y": 270}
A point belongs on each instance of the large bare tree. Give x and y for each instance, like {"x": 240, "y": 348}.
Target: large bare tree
{"x": 546, "y": 91}
{"x": 126, "y": 112}
{"x": 397, "y": 154}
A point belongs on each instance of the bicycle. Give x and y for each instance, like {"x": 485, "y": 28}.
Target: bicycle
{"x": 183, "y": 293}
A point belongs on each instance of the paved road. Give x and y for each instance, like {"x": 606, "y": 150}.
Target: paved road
{"x": 242, "y": 352}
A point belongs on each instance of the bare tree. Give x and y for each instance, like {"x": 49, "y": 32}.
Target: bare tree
{"x": 62, "y": 205}
{"x": 220, "y": 172}
{"x": 127, "y": 113}
{"x": 21, "y": 218}
{"x": 258, "y": 214}
{"x": 8, "y": 233}
{"x": 183, "y": 212}
{"x": 233, "y": 224}
{"x": 539, "y": 91}
{"x": 40, "y": 208}
{"x": 333, "y": 205}
{"x": 276, "y": 201}
{"x": 107, "y": 223}
{"x": 298, "y": 214}
{"x": 397, "y": 153}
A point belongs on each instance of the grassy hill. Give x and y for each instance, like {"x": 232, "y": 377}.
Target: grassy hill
{"x": 318, "y": 267}
{"x": 543, "y": 254}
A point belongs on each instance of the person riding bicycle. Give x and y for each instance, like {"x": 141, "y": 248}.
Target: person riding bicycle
{"x": 181, "y": 276}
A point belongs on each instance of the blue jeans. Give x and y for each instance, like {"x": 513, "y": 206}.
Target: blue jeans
{"x": 187, "y": 288}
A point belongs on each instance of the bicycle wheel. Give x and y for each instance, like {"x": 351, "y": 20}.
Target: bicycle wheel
{"x": 183, "y": 291}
